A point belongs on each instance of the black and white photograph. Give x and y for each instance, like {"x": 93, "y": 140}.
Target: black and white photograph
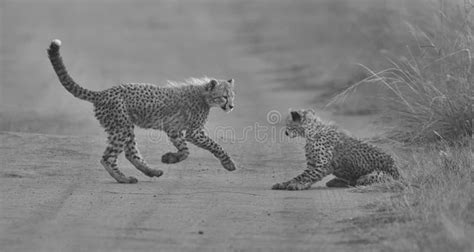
{"x": 236, "y": 125}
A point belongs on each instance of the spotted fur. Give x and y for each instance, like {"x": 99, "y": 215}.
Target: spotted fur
{"x": 331, "y": 151}
{"x": 180, "y": 110}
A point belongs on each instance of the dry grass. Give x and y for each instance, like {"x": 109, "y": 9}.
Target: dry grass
{"x": 432, "y": 208}
{"x": 429, "y": 93}
{"x": 435, "y": 209}
{"x": 428, "y": 110}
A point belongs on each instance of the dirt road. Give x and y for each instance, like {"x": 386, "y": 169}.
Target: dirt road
{"x": 55, "y": 196}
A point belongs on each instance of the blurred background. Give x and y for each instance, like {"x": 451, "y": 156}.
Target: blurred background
{"x": 313, "y": 46}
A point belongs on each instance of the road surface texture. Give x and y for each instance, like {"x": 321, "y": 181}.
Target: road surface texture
{"x": 55, "y": 196}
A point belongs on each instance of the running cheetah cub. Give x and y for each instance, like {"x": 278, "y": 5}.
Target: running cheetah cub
{"x": 331, "y": 151}
{"x": 179, "y": 110}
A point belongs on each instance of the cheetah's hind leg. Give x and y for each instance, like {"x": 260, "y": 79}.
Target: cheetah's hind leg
{"x": 133, "y": 155}
{"x": 180, "y": 143}
{"x": 116, "y": 145}
{"x": 373, "y": 177}
{"x": 338, "y": 182}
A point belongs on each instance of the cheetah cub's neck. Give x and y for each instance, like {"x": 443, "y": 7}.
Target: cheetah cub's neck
{"x": 315, "y": 126}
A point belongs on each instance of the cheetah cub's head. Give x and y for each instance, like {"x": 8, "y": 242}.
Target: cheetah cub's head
{"x": 298, "y": 120}
{"x": 220, "y": 93}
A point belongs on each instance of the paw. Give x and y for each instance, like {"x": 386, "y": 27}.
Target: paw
{"x": 172, "y": 158}
{"x": 291, "y": 186}
{"x": 296, "y": 186}
{"x": 280, "y": 186}
{"x": 154, "y": 173}
{"x": 127, "y": 180}
{"x": 229, "y": 165}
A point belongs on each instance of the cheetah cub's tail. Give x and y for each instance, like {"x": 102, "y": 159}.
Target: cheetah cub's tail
{"x": 64, "y": 78}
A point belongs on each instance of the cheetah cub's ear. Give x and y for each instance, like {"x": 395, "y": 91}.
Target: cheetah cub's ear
{"x": 211, "y": 85}
{"x": 231, "y": 82}
{"x": 302, "y": 114}
{"x": 296, "y": 116}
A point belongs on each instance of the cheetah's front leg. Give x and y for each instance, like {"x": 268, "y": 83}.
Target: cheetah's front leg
{"x": 311, "y": 175}
{"x": 317, "y": 168}
{"x": 200, "y": 139}
{"x": 180, "y": 144}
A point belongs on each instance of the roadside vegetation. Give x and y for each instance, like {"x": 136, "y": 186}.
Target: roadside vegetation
{"x": 426, "y": 108}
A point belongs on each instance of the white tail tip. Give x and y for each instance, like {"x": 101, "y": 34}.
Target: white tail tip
{"x": 56, "y": 42}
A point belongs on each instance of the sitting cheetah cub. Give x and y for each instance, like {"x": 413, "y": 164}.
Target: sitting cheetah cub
{"x": 179, "y": 110}
{"x": 331, "y": 151}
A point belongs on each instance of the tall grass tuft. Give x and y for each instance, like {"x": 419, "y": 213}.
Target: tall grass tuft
{"x": 429, "y": 91}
